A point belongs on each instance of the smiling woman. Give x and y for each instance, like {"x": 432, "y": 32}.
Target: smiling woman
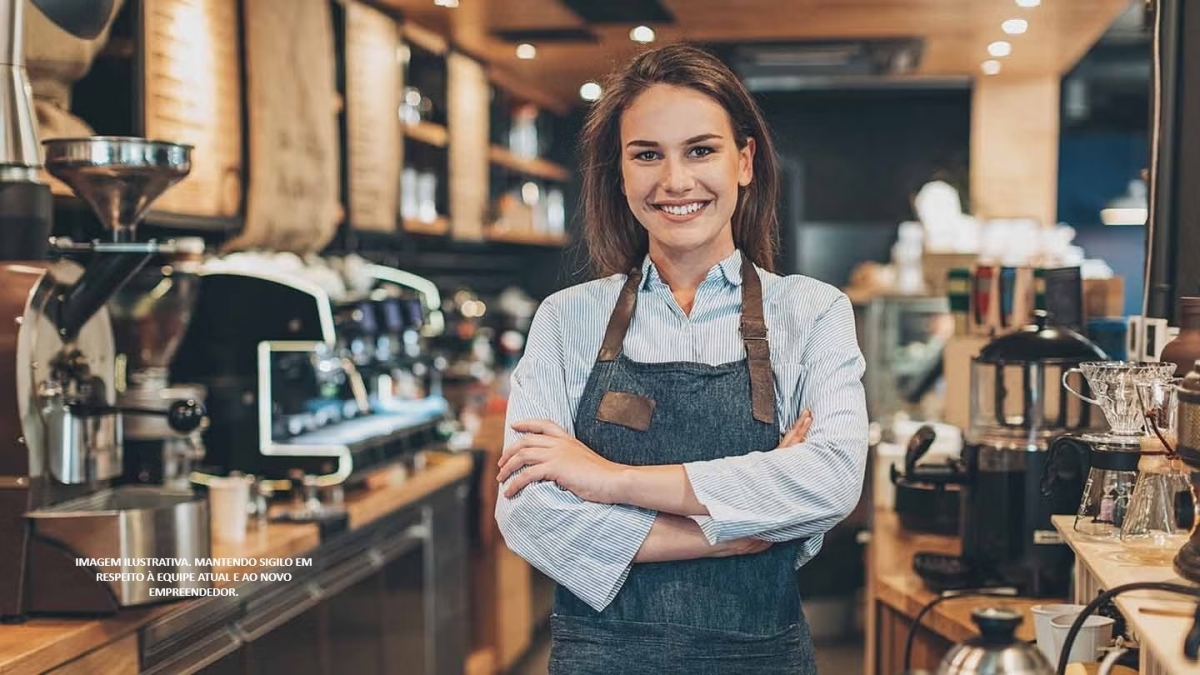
{"x": 672, "y": 467}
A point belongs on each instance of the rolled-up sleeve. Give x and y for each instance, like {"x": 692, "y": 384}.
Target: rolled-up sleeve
{"x": 586, "y": 547}
{"x": 803, "y": 490}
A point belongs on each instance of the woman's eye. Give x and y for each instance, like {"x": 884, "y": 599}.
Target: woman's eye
{"x": 646, "y": 156}
{"x": 702, "y": 151}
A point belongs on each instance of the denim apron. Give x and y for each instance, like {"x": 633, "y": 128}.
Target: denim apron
{"x": 709, "y": 616}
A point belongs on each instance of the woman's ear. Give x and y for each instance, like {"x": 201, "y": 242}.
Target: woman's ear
{"x": 746, "y": 162}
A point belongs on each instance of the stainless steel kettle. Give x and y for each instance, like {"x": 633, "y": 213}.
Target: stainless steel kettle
{"x": 996, "y": 651}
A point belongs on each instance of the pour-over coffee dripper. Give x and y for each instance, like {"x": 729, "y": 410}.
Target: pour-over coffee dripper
{"x": 1115, "y": 387}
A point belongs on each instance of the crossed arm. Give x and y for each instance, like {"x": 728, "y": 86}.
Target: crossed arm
{"x": 583, "y": 520}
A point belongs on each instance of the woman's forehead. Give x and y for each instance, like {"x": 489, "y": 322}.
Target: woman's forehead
{"x": 667, "y": 113}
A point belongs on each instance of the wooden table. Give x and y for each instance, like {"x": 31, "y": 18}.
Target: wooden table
{"x": 68, "y": 646}
{"x": 895, "y": 594}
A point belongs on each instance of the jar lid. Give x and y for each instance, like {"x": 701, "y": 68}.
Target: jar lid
{"x": 1040, "y": 342}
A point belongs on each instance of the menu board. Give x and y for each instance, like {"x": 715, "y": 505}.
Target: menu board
{"x": 373, "y": 84}
{"x": 293, "y": 198}
{"x": 192, "y": 94}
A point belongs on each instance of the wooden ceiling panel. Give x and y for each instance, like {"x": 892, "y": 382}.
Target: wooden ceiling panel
{"x": 955, "y": 33}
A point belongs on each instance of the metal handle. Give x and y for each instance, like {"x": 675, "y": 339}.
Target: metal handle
{"x": 1070, "y": 389}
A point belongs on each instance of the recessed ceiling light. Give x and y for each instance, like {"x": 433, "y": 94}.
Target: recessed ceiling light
{"x": 446, "y": 3}
{"x": 590, "y": 91}
{"x": 1014, "y": 26}
{"x": 526, "y": 51}
{"x": 1000, "y": 48}
{"x": 990, "y": 67}
{"x": 643, "y": 34}
{"x": 1028, "y": 3}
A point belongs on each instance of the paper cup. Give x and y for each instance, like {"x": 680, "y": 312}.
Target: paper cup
{"x": 1044, "y": 631}
{"x": 228, "y": 499}
{"x": 1095, "y": 635}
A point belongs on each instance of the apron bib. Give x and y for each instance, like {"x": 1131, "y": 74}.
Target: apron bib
{"x": 739, "y": 614}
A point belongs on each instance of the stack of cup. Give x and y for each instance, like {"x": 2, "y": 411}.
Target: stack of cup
{"x": 1051, "y": 623}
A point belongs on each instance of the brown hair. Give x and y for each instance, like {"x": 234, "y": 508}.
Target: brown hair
{"x": 616, "y": 241}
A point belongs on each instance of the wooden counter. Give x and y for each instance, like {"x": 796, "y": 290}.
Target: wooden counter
{"x": 1152, "y": 616}
{"x": 43, "y": 644}
{"x": 896, "y": 594}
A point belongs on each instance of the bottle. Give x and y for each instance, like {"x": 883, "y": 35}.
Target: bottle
{"x": 1185, "y": 348}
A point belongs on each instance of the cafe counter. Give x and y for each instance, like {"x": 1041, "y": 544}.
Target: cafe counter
{"x": 388, "y": 594}
{"x": 895, "y": 595}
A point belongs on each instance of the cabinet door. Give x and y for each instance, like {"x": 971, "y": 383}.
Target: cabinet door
{"x": 407, "y": 629}
{"x": 356, "y": 633}
{"x": 296, "y": 648}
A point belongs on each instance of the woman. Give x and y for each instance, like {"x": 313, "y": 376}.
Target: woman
{"x": 634, "y": 473}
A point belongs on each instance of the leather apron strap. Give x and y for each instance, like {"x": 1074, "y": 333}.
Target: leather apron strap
{"x": 753, "y": 328}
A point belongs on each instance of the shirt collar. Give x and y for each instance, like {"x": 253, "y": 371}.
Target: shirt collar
{"x": 729, "y": 269}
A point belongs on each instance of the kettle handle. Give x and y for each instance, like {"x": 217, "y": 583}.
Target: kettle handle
{"x": 1065, "y": 453}
{"x": 1110, "y": 660}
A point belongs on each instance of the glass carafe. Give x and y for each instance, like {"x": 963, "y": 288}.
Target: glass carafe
{"x": 1112, "y": 476}
{"x": 1160, "y": 511}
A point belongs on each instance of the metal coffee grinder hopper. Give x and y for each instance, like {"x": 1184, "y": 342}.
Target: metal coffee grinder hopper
{"x": 75, "y": 541}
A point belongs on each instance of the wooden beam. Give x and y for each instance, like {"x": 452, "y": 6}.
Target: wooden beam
{"x": 1014, "y": 148}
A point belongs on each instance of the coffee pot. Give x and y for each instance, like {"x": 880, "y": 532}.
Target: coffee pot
{"x": 996, "y": 650}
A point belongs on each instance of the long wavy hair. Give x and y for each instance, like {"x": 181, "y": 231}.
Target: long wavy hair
{"x": 616, "y": 241}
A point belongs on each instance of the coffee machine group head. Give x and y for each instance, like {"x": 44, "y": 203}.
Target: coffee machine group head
{"x": 59, "y": 500}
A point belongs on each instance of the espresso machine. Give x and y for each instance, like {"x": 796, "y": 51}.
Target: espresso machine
{"x": 1019, "y": 406}
{"x": 60, "y": 498}
{"x": 300, "y": 373}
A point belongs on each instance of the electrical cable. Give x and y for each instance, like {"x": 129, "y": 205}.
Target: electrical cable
{"x": 1104, "y": 597}
{"x": 948, "y": 595}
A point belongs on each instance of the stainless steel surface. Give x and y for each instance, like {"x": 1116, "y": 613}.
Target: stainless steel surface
{"x": 82, "y": 450}
{"x": 18, "y": 126}
{"x": 997, "y": 651}
{"x": 151, "y": 313}
{"x": 39, "y": 353}
{"x": 131, "y": 523}
{"x": 119, "y": 176}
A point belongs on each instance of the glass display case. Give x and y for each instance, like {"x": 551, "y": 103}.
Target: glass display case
{"x": 902, "y": 339}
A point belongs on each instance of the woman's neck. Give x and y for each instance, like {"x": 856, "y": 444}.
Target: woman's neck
{"x": 684, "y": 272}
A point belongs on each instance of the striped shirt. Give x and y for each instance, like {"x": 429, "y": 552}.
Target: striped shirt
{"x": 798, "y": 492}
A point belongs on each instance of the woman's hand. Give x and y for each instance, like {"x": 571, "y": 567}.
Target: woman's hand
{"x": 799, "y": 431}
{"x": 550, "y": 453}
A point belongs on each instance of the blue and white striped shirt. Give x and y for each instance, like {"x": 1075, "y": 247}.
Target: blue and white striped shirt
{"x": 781, "y": 495}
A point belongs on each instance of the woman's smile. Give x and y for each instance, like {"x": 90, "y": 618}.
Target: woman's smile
{"x": 682, "y": 211}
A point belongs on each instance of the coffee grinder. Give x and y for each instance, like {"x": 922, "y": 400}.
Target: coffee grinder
{"x": 150, "y": 315}
{"x": 1187, "y": 561}
{"x": 59, "y": 501}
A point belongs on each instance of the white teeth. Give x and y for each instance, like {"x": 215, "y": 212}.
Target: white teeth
{"x": 682, "y": 210}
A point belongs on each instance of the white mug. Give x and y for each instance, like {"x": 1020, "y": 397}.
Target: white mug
{"x": 228, "y": 501}
{"x": 1044, "y": 631}
{"x": 1094, "y": 636}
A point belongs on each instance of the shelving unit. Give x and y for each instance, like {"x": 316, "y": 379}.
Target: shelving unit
{"x": 535, "y": 167}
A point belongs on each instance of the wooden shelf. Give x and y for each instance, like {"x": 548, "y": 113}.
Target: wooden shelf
{"x": 529, "y": 238}
{"x": 423, "y": 38}
{"x": 538, "y": 167}
{"x": 437, "y": 227}
{"x": 427, "y": 133}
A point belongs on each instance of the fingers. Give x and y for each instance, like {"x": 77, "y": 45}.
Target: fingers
{"x": 799, "y": 430}
{"x": 529, "y": 441}
{"x": 545, "y": 427}
{"x": 520, "y": 458}
{"x": 531, "y": 475}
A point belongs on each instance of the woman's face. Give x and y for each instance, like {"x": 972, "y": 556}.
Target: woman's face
{"x": 681, "y": 168}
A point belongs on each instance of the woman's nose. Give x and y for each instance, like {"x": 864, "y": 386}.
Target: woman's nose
{"x": 676, "y": 176}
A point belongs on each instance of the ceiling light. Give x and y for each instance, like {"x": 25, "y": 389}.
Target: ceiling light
{"x": 1000, "y": 48}
{"x": 590, "y": 91}
{"x": 446, "y": 3}
{"x": 642, "y": 34}
{"x": 1028, "y": 3}
{"x": 990, "y": 67}
{"x": 1014, "y": 26}
{"x": 526, "y": 51}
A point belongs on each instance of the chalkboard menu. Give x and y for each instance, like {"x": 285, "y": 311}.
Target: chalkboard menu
{"x": 373, "y": 85}
{"x": 192, "y": 94}
{"x": 293, "y": 198}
